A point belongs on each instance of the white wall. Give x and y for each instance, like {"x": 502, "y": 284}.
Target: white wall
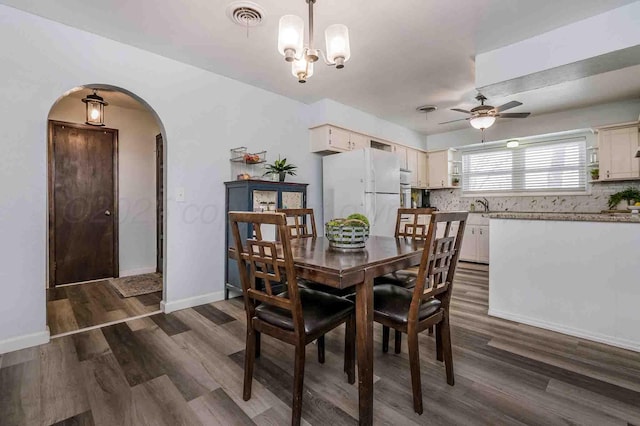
{"x": 330, "y": 111}
{"x": 137, "y": 130}
{"x": 617, "y": 112}
{"x": 203, "y": 116}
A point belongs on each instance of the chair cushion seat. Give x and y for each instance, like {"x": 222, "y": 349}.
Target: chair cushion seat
{"x": 320, "y": 310}
{"x": 392, "y": 302}
{"x": 404, "y": 279}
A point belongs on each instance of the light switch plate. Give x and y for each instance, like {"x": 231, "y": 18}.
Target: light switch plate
{"x": 180, "y": 195}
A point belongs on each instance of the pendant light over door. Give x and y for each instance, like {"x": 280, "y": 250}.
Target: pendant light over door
{"x": 95, "y": 109}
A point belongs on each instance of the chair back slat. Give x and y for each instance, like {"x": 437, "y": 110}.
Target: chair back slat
{"x": 439, "y": 260}
{"x": 262, "y": 264}
{"x": 411, "y": 227}
{"x": 304, "y": 223}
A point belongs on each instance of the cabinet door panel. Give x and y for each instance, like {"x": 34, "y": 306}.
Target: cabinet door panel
{"x": 412, "y": 164}
{"x": 482, "y": 232}
{"x": 617, "y": 149}
{"x": 339, "y": 138}
{"x": 401, "y": 152}
{"x": 438, "y": 169}
{"x": 423, "y": 173}
{"x": 469, "y": 244}
{"x": 358, "y": 141}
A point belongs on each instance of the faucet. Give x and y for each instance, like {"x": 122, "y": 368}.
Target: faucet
{"x": 484, "y": 203}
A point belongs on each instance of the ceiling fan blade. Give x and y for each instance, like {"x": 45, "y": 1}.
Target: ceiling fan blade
{"x": 514, "y": 115}
{"x": 461, "y": 110}
{"x": 508, "y": 105}
{"x": 453, "y": 121}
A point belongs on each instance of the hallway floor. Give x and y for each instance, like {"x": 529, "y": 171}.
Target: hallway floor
{"x": 74, "y": 307}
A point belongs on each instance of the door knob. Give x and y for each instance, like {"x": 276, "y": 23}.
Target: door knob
{"x": 107, "y": 213}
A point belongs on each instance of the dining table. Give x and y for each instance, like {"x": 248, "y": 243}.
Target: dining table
{"x": 316, "y": 260}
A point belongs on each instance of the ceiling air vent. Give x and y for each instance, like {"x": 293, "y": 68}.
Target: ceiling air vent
{"x": 245, "y": 13}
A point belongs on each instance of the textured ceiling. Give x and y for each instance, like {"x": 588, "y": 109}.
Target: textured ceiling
{"x": 405, "y": 53}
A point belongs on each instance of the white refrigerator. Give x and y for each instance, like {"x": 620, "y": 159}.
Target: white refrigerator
{"x": 363, "y": 181}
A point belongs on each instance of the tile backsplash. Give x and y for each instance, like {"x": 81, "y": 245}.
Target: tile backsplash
{"x": 594, "y": 201}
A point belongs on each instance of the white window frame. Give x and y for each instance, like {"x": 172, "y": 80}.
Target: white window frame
{"x": 519, "y": 176}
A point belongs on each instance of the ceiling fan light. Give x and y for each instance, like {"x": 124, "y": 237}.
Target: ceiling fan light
{"x": 290, "y": 36}
{"x": 513, "y": 144}
{"x": 337, "y": 40}
{"x": 482, "y": 122}
{"x": 302, "y": 70}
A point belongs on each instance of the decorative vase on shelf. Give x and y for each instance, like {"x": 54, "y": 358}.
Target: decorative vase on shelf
{"x": 283, "y": 175}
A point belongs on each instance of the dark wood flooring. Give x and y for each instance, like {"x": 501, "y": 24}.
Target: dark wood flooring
{"x": 186, "y": 369}
{"x": 75, "y": 307}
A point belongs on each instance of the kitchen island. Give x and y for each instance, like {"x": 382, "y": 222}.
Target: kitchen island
{"x": 575, "y": 273}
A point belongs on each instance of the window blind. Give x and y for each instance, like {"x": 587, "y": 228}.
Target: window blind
{"x": 551, "y": 166}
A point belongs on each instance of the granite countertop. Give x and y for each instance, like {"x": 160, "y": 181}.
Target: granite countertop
{"x": 572, "y": 216}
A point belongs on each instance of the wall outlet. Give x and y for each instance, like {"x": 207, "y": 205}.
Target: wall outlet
{"x": 180, "y": 195}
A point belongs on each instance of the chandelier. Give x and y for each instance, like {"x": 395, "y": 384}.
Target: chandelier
{"x": 291, "y": 45}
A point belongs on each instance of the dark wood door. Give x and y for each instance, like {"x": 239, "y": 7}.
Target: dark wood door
{"x": 83, "y": 176}
{"x": 159, "y": 202}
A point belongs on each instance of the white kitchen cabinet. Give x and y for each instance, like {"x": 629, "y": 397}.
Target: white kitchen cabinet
{"x": 334, "y": 139}
{"x": 401, "y": 152}
{"x": 617, "y": 148}
{"x": 438, "y": 166}
{"x": 475, "y": 244}
{"x": 358, "y": 141}
{"x": 423, "y": 172}
{"x": 412, "y": 164}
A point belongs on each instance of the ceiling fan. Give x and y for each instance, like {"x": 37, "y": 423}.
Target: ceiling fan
{"x": 483, "y": 116}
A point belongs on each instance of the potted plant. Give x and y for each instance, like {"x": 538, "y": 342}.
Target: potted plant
{"x": 455, "y": 181}
{"x": 630, "y": 195}
{"x": 595, "y": 174}
{"x": 281, "y": 169}
{"x": 349, "y": 233}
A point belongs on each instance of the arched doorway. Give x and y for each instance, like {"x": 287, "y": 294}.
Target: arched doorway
{"x": 106, "y": 204}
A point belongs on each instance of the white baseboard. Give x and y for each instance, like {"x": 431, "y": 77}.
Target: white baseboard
{"x": 138, "y": 271}
{"x": 26, "y": 341}
{"x": 576, "y": 332}
{"x": 176, "y": 305}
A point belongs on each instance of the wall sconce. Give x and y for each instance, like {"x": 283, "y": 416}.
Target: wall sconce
{"x": 95, "y": 109}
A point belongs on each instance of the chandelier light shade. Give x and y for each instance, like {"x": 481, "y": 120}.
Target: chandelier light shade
{"x": 291, "y": 45}
{"x": 302, "y": 70}
{"x": 482, "y": 122}
{"x": 291, "y": 37}
{"x": 338, "y": 50}
{"x": 95, "y": 109}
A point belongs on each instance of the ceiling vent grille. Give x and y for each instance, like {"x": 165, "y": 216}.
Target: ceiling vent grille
{"x": 245, "y": 13}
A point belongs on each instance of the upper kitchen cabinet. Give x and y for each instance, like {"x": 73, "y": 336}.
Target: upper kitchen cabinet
{"x": 423, "y": 170}
{"x": 412, "y": 164}
{"x": 417, "y": 163}
{"x": 438, "y": 165}
{"x": 358, "y": 141}
{"x": 401, "y": 152}
{"x": 617, "y": 147}
{"x": 334, "y": 139}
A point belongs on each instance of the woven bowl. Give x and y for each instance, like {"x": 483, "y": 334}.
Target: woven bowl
{"x": 347, "y": 236}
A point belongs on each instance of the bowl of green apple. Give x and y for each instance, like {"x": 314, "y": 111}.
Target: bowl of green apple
{"x": 350, "y": 233}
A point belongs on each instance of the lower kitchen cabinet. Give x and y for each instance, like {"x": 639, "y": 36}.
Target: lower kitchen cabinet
{"x": 475, "y": 244}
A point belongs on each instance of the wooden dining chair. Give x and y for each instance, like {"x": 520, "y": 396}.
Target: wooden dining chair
{"x": 414, "y": 224}
{"x": 297, "y": 316}
{"x": 304, "y": 222}
{"x": 304, "y": 226}
{"x": 412, "y": 311}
